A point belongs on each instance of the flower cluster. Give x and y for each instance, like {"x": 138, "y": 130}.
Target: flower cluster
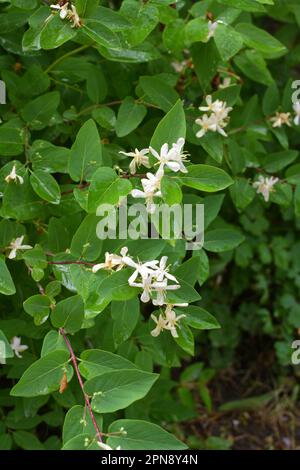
{"x": 265, "y": 186}
{"x": 172, "y": 158}
{"x": 215, "y": 118}
{"x": 154, "y": 278}
{"x": 68, "y": 11}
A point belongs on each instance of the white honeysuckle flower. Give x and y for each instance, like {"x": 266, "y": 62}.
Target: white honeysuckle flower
{"x": 281, "y": 119}
{"x": 13, "y": 176}
{"x": 265, "y": 185}
{"x": 212, "y": 26}
{"x": 172, "y": 158}
{"x": 207, "y": 124}
{"x": 161, "y": 292}
{"x": 17, "y": 347}
{"x": 148, "y": 287}
{"x": 225, "y": 83}
{"x": 74, "y": 17}
{"x": 106, "y": 446}
{"x": 113, "y": 261}
{"x": 162, "y": 271}
{"x": 179, "y": 66}
{"x": 63, "y": 10}
{"x": 160, "y": 325}
{"x": 296, "y": 108}
{"x": 16, "y": 245}
{"x": 70, "y": 13}
{"x": 172, "y": 320}
{"x": 151, "y": 186}
{"x": 168, "y": 321}
{"x": 142, "y": 269}
{"x": 212, "y": 106}
{"x": 139, "y": 157}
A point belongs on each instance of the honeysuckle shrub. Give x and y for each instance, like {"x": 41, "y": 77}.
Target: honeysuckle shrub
{"x": 156, "y": 102}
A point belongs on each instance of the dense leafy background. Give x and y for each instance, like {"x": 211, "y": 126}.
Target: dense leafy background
{"x": 132, "y": 74}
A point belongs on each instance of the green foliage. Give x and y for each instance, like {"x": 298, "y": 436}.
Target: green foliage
{"x": 93, "y": 100}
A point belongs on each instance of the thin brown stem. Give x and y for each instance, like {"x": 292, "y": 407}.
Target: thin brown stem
{"x": 86, "y": 398}
{"x": 71, "y": 262}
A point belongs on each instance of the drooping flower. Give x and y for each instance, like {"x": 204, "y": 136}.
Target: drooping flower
{"x": 168, "y": 321}
{"x": 113, "y": 261}
{"x": 171, "y": 158}
{"x": 63, "y": 10}
{"x": 160, "y": 325}
{"x": 16, "y": 245}
{"x": 17, "y": 347}
{"x": 161, "y": 292}
{"x": 162, "y": 271}
{"x": 172, "y": 319}
{"x": 142, "y": 269}
{"x": 212, "y": 26}
{"x": 281, "y": 119}
{"x": 265, "y": 185}
{"x": 151, "y": 186}
{"x": 296, "y": 108}
{"x": 13, "y": 176}
{"x": 225, "y": 83}
{"x": 139, "y": 157}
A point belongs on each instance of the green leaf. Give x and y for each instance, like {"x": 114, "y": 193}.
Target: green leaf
{"x": 170, "y": 128}
{"x": 78, "y": 421}
{"x": 38, "y": 306}
{"x": 206, "y": 178}
{"x": 39, "y": 112}
{"x": 242, "y": 193}
{"x": 44, "y": 375}
{"x": 86, "y": 8}
{"x": 27, "y": 441}
{"x": 159, "y": 92}
{"x": 141, "y": 435}
{"x": 115, "y": 390}
{"x": 220, "y": 240}
{"x": 185, "y": 338}
{"x": 68, "y": 314}
{"x": 171, "y": 191}
{"x": 106, "y": 188}
{"x": 130, "y": 115}
{"x": 11, "y": 140}
{"x": 53, "y": 341}
{"x": 196, "y": 30}
{"x": 261, "y": 40}
{"x": 125, "y": 315}
{"x": 246, "y": 5}
{"x": 95, "y": 362}
{"x": 85, "y": 242}
{"x": 198, "y": 318}
{"x": 96, "y": 85}
{"x": 56, "y": 32}
{"x": 274, "y": 162}
{"x": 7, "y": 286}
{"x": 228, "y": 41}
{"x": 101, "y": 34}
{"x": 86, "y": 152}
{"x": 45, "y": 186}
{"x": 253, "y": 65}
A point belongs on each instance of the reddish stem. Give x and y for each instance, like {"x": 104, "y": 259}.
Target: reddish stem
{"x": 86, "y": 398}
